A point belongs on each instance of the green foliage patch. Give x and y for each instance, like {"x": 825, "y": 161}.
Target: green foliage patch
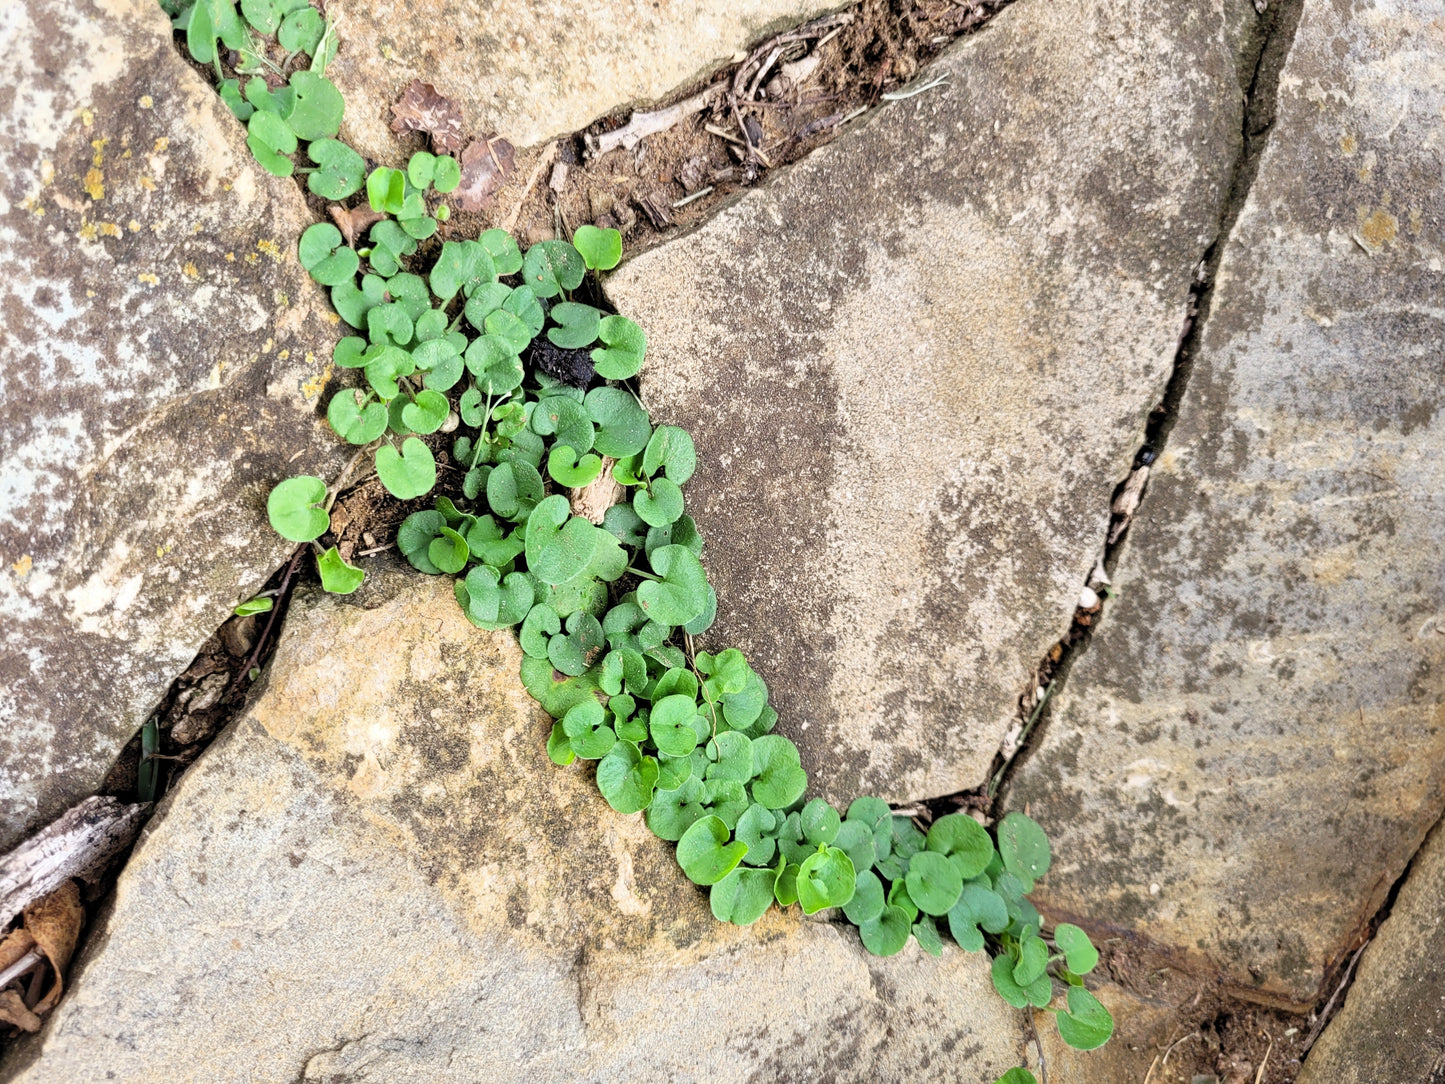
{"x": 605, "y": 612}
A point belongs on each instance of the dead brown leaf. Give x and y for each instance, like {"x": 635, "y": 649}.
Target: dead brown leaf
{"x": 354, "y": 223}
{"x": 54, "y": 922}
{"x": 486, "y": 164}
{"x": 14, "y": 1012}
{"x": 422, "y": 109}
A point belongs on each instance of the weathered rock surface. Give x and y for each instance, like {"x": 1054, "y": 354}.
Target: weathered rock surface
{"x": 531, "y": 71}
{"x": 1254, "y": 744}
{"x": 1392, "y": 1026}
{"x": 916, "y": 363}
{"x": 377, "y": 875}
{"x": 161, "y": 348}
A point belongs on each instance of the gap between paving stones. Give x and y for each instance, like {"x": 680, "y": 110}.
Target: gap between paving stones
{"x": 199, "y": 705}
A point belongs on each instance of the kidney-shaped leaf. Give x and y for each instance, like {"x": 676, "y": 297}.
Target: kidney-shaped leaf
{"x": 705, "y": 854}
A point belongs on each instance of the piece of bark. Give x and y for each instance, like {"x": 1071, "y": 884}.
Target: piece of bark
{"x": 592, "y": 500}
{"x": 643, "y": 125}
{"x": 81, "y": 843}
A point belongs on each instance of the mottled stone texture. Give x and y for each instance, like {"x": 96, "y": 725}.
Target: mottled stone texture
{"x": 1254, "y": 745}
{"x": 535, "y": 69}
{"x": 161, "y": 371}
{"x": 916, "y": 363}
{"x": 377, "y": 875}
{"x": 1392, "y": 1026}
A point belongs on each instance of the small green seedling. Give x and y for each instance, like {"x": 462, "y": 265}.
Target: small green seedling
{"x": 259, "y": 605}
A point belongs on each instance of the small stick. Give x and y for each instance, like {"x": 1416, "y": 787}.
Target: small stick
{"x": 1259, "y": 1076}
{"x": 1039, "y": 1045}
{"x": 688, "y": 199}
{"x": 20, "y": 966}
{"x": 900, "y": 95}
{"x": 715, "y": 130}
{"x": 643, "y": 125}
{"x": 266, "y": 632}
{"x": 1324, "y": 1016}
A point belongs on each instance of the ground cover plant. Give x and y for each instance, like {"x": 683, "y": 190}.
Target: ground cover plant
{"x": 571, "y": 528}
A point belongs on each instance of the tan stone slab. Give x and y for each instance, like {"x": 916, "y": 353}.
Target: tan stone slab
{"x": 916, "y": 363}
{"x": 1392, "y": 1026}
{"x": 1254, "y": 744}
{"x": 535, "y": 70}
{"x": 378, "y": 875}
{"x": 164, "y": 352}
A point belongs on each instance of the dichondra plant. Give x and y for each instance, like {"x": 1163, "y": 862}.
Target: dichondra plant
{"x": 499, "y": 358}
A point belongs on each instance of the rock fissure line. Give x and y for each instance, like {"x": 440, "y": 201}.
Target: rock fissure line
{"x": 1279, "y": 21}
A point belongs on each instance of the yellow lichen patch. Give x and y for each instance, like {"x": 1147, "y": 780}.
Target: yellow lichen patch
{"x": 317, "y": 384}
{"x": 270, "y": 248}
{"x": 108, "y": 229}
{"x": 231, "y": 257}
{"x": 162, "y": 145}
{"x": 1378, "y": 227}
{"x": 148, "y": 278}
{"x": 284, "y": 354}
{"x": 133, "y": 226}
{"x": 331, "y": 318}
{"x": 95, "y": 184}
{"x": 1348, "y": 144}
{"x": 251, "y": 257}
{"x": 191, "y": 271}
{"x": 87, "y": 118}
{"x": 23, "y": 566}
{"x": 146, "y": 101}
{"x": 98, "y": 146}
{"x": 147, "y": 183}
{"x": 87, "y": 231}
{"x": 32, "y": 204}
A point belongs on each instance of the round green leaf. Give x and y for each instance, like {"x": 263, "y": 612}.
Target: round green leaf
{"x": 1024, "y": 848}
{"x": 826, "y": 879}
{"x": 1087, "y": 1025}
{"x": 779, "y": 780}
{"x": 878, "y": 818}
{"x": 623, "y": 427}
{"x": 420, "y": 168}
{"x": 704, "y": 852}
{"x": 340, "y": 170}
{"x": 408, "y": 473}
{"x": 926, "y": 932}
{"x": 566, "y": 470}
{"x": 1017, "y": 1075}
{"x": 1002, "y": 971}
{"x": 964, "y": 840}
{"x": 560, "y": 545}
{"x": 1080, "y": 955}
{"x": 448, "y": 551}
{"x": 514, "y": 489}
{"x": 576, "y": 325}
{"x": 670, "y": 449}
{"x": 933, "y": 882}
{"x": 625, "y": 345}
{"x": 301, "y": 30}
{"x": 754, "y": 828}
{"x": 294, "y": 509}
{"x": 317, "y": 108}
{"x": 660, "y": 504}
{"x": 551, "y": 267}
{"x": 492, "y": 604}
{"x": 785, "y": 888}
{"x": 820, "y": 822}
{"x": 626, "y": 778}
{"x": 337, "y": 576}
{"x": 681, "y": 595}
{"x": 731, "y": 757}
{"x": 541, "y": 624}
{"x": 867, "y": 902}
{"x": 743, "y": 896}
{"x": 355, "y": 419}
{"x": 671, "y": 725}
{"x": 565, "y": 418}
{"x": 673, "y": 812}
{"x": 888, "y": 933}
{"x": 977, "y": 907}
{"x": 856, "y": 841}
{"x": 600, "y": 249}
{"x": 559, "y": 749}
{"x": 446, "y": 174}
{"x": 425, "y": 413}
{"x": 585, "y": 728}
{"x": 495, "y": 364}
{"x": 415, "y": 536}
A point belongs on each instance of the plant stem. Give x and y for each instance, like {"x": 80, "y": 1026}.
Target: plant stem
{"x": 644, "y": 575}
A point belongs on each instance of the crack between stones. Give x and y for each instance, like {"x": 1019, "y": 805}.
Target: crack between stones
{"x": 1275, "y": 34}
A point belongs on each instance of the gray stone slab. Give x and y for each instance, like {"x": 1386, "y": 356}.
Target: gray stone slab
{"x": 534, "y": 69}
{"x": 916, "y": 363}
{"x": 163, "y": 358}
{"x": 1392, "y": 1026}
{"x": 1253, "y": 746}
{"x": 378, "y": 875}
